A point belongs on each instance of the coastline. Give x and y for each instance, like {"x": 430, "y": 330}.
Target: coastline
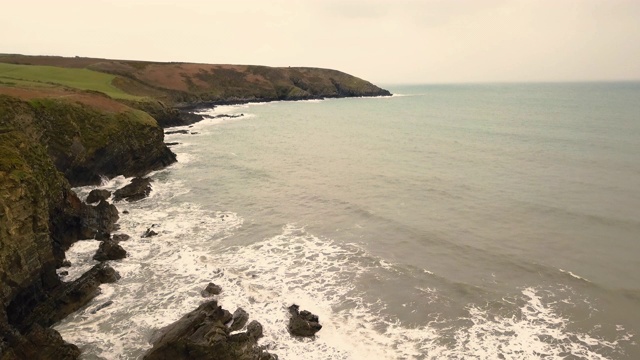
{"x": 67, "y": 219}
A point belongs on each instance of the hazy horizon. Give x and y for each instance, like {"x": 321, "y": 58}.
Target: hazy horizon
{"x": 394, "y": 43}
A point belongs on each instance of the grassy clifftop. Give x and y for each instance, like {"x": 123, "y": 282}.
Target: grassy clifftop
{"x": 188, "y": 83}
{"x": 49, "y": 76}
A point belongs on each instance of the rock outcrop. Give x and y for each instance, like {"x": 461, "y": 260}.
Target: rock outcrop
{"x": 202, "y": 334}
{"x": 303, "y": 323}
{"x": 109, "y": 250}
{"x": 210, "y": 290}
{"x": 96, "y": 195}
{"x": 138, "y": 189}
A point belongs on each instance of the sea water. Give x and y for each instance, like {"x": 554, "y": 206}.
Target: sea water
{"x": 485, "y": 221}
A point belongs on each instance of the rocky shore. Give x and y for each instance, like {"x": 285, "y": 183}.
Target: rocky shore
{"x": 54, "y": 138}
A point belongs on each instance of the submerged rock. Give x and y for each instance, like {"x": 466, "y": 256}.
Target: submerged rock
{"x": 176, "y": 132}
{"x": 202, "y": 334}
{"x": 303, "y": 323}
{"x": 98, "y": 195}
{"x": 102, "y": 306}
{"x": 138, "y": 189}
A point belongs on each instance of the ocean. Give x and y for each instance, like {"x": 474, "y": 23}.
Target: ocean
{"x": 480, "y": 221}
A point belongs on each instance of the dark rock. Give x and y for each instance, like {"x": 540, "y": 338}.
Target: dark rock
{"x": 38, "y": 343}
{"x": 201, "y": 334}
{"x": 105, "y": 274}
{"x": 303, "y": 323}
{"x": 109, "y": 250}
{"x": 149, "y": 233}
{"x": 240, "y": 319}
{"x": 63, "y": 273}
{"x": 97, "y": 195}
{"x": 177, "y": 132}
{"x": 172, "y": 143}
{"x": 138, "y": 189}
{"x": 62, "y": 300}
{"x": 120, "y": 237}
{"x": 211, "y": 289}
{"x": 125, "y": 212}
{"x": 108, "y": 303}
{"x": 254, "y": 329}
{"x": 230, "y": 116}
{"x": 99, "y": 221}
{"x": 66, "y": 263}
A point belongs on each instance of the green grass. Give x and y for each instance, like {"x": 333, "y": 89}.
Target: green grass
{"x": 82, "y": 79}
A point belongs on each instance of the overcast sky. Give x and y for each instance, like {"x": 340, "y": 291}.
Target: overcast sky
{"x": 384, "y": 41}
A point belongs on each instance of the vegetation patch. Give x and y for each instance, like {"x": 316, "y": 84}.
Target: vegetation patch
{"x": 82, "y": 79}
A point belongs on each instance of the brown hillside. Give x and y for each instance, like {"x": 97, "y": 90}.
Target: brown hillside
{"x": 189, "y": 83}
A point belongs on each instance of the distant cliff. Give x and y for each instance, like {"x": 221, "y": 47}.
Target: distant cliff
{"x": 191, "y": 84}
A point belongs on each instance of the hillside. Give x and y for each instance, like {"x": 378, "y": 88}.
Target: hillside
{"x": 182, "y": 84}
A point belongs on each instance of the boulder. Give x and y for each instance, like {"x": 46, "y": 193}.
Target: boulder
{"x": 120, "y": 237}
{"x": 109, "y": 250}
{"x": 211, "y": 289}
{"x": 254, "y": 329}
{"x": 303, "y": 323}
{"x": 149, "y": 233}
{"x": 240, "y": 319}
{"x": 202, "y": 334}
{"x": 138, "y": 189}
{"x": 97, "y": 195}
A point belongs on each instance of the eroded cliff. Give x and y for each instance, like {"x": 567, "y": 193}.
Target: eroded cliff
{"x": 42, "y": 143}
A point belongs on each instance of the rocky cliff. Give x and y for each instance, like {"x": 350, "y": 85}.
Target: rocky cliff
{"x": 86, "y": 142}
{"x": 162, "y": 89}
{"x": 41, "y": 141}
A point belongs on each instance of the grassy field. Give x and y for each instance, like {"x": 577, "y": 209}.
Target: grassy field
{"x": 83, "y": 79}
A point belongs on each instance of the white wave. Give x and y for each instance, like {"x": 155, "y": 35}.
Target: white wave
{"x": 536, "y": 331}
{"x": 161, "y": 275}
{"x": 574, "y": 275}
{"x": 80, "y": 255}
{"x": 319, "y": 275}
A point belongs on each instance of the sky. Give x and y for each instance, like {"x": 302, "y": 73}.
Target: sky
{"x": 383, "y": 41}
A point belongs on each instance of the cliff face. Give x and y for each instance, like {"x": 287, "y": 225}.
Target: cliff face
{"x": 85, "y": 142}
{"x": 42, "y": 143}
{"x": 30, "y": 190}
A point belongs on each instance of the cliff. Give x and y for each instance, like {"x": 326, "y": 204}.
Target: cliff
{"x": 162, "y": 88}
{"x": 86, "y": 141}
{"x": 43, "y": 143}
